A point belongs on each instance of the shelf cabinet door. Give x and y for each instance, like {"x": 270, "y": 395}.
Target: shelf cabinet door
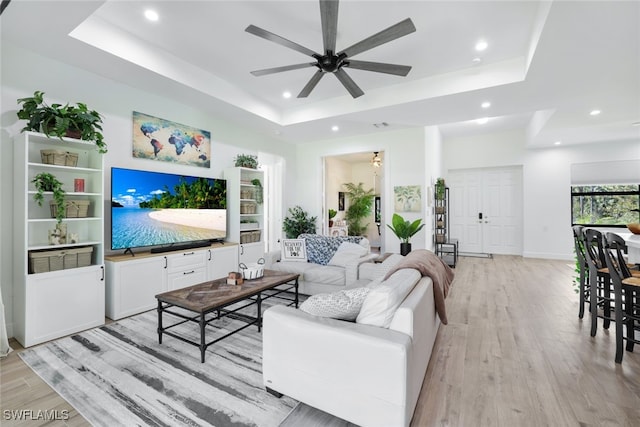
{"x": 61, "y": 303}
{"x": 222, "y": 261}
{"x": 132, "y": 285}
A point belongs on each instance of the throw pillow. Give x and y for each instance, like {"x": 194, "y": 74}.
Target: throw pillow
{"x": 320, "y": 249}
{"x": 341, "y": 305}
{"x": 347, "y": 252}
{"x": 293, "y": 250}
{"x": 382, "y": 301}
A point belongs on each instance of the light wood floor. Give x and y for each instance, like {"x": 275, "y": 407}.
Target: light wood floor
{"x": 513, "y": 354}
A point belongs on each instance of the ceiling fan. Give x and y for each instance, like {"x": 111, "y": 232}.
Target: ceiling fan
{"x": 334, "y": 62}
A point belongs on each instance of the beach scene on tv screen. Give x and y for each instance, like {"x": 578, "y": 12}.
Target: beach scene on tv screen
{"x": 152, "y": 208}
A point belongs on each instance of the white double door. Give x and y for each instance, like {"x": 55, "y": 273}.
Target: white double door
{"x": 486, "y": 210}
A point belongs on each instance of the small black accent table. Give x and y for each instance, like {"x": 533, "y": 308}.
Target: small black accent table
{"x": 211, "y": 300}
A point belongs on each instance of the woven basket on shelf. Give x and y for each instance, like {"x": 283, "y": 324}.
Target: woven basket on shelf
{"x": 59, "y": 158}
{"x": 74, "y": 208}
{"x": 48, "y": 260}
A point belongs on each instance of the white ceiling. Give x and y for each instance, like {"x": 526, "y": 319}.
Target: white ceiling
{"x": 547, "y": 66}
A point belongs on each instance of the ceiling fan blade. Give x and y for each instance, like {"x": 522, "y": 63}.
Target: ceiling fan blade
{"x": 252, "y": 29}
{"x": 274, "y": 70}
{"x": 329, "y": 19}
{"x": 396, "y": 31}
{"x": 379, "y": 67}
{"x": 348, "y": 83}
{"x": 306, "y": 90}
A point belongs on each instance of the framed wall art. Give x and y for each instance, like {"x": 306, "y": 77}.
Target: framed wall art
{"x": 407, "y": 198}
{"x": 166, "y": 141}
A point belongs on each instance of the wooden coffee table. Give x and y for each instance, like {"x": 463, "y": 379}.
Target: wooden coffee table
{"x": 211, "y": 300}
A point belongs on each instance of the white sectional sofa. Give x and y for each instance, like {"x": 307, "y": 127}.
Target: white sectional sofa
{"x": 367, "y": 375}
{"x": 316, "y": 276}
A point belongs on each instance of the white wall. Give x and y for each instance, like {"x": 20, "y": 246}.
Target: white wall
{"x": 405, "y": 163}
{"x": 23, "y": 73}
{"x": 546, "y": 181}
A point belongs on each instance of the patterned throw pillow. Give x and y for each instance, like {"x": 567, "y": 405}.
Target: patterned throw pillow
{"x": 320, "y": 249}
{"x": 341, "y": 305}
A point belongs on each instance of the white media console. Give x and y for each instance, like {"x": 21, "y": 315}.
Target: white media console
{"x": 134, "y": 281}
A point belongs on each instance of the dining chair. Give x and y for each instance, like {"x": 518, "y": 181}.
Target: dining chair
{"x": 626, "y": 290}
{"x": 583, "y": 268}
{"x": 601, "y": 295}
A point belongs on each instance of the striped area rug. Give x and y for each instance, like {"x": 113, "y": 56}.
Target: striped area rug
{"x": 119, "y": 375}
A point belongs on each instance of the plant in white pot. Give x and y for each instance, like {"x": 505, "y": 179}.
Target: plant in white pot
{"x": 405, "y": 230}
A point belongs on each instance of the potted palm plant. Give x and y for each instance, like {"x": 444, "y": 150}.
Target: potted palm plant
{"x": 405, "y": 230}
{"x": 360, "y": 207}
{"x": 75, "y": 121}
{"x": 47, "y": 182}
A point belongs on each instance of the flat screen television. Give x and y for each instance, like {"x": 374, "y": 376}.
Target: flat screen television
{"x": 166, "y": 211}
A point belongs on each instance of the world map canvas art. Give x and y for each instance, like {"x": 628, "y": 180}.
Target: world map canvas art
{"x": 163, "y": 140}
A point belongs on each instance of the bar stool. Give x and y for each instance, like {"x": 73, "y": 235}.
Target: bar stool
{"x": 601, "y": 294}
{"x": 583, "y": 268}
{"x": 627, "y": 295}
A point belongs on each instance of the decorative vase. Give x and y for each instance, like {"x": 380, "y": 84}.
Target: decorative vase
{"x": 405, "y": 248}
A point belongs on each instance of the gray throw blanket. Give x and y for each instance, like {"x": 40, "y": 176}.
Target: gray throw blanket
{"x": 430, "y": 265}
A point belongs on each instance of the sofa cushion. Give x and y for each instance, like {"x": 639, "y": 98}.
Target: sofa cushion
{"x": 371, "y": 271}
{"x": 347, "y": 252}
{"x": 320, "y": 249}
{"x": 328, "y": 274}
{"x": 342, "y": 305}
{"x": 294, "y": 250}
{"x": 381, "y": 303}
{"x": 292, "y": 267}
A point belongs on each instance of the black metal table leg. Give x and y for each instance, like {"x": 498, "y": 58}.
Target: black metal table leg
{"x": 160, "y": 322}
{"x": 296, "y": 296}
{"x": 259, "y": 304}
{"x": 203, "y": 346}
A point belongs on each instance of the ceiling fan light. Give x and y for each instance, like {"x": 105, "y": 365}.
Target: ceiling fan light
{"x": 376, "y": 161}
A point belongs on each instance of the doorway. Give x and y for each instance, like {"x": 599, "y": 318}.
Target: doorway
{"x": 354, "y": 168}
{"x": 486, "y": 210}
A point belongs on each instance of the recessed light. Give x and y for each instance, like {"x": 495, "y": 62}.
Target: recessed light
{"x": 476, "y": 60}
{"x": 482, "y": 120}
{"x": 485, "y": 104}
{"x": 557, "y": 143}
{"x": 481, "y": 45}
{"x": 151, "y": 15}
{"x": 595, "y": 112}
{"x": 335, "y": 128}
{"x": 286, "y": 95}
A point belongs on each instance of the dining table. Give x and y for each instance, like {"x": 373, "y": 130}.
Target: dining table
{"x": 633, "y": 246}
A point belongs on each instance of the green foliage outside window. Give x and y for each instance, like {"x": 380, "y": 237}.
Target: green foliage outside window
{"x": 605, "y": 205}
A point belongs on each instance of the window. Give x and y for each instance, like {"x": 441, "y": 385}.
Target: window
{"x": 608, "y": 205}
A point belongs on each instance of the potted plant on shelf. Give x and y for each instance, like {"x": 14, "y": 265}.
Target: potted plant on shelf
{"x": 47, "y": 182}
{"x": 246, "y": 161}
{"x": 332, "y": 214}
{"x": 440, "y": 189}
{"x": 360, "y": 207}
{"x": 258, "y": 190}
{"x": 405, "y": 230}
{"x": 75, "y": 121}
{"x": 298, "y": 222}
